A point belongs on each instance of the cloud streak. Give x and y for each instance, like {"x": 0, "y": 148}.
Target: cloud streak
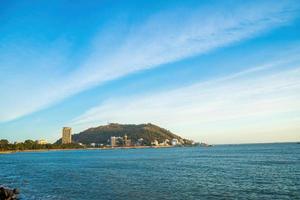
{"x": 230, "y": 104}
{"x": 165, "y": 37}
{"x": 178, "y": 34}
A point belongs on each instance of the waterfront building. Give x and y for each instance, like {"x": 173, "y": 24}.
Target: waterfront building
{"x": 140, "y": 142}
{"x": 181, "y": 141}
{"x": 154, "y": 143}
{"x": 66, "y": 135}
{"x": 41, "y": 141}
{"x": 174, "y": 142}
{"x": 166, "y": 142}
{"x": 93, "y": 144}
{"x": 113, "y": 141}
{"x": 127, "y": 142}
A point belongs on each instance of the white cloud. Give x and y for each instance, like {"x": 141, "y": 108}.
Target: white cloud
{"x": 177, "y": 34}
{"x": 214, "y": 109}
{"x": 166, "y": 37}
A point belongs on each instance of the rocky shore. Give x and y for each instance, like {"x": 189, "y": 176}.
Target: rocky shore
{"x": 8, "y": 194}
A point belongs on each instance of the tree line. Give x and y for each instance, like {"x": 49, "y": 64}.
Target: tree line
{"x": 5, "y": 145}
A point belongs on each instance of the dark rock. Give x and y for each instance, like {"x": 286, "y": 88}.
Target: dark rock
{"x": 8, "y": 194}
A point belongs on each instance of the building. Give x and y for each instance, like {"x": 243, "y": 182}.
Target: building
{"x": 140, "y": 142}
{"x": 181, "y": 141}
{"x": 93, "y": 144}
{"x": 154, "y": 143}
{"x": 166, "y": 142}
{"x": 113, "y": 140}
{"x": 127, "y": 142}
{"x": 66, "y": 135}
{"x": 41, "y": 141}
{"x": 174, "y": 142}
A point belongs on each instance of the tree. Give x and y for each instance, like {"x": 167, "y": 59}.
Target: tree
{"x": 4, "y": 142}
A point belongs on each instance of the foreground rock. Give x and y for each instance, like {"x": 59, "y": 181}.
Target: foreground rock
{"x": 8, "y": 194}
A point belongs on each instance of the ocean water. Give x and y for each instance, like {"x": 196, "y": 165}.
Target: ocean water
{"x": 259, "y": 171}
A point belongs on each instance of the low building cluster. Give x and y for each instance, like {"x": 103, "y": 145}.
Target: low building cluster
{"x": 166, "y": 142}
{"x": 124, "y": 141}
{"x": 42, "y": 141}
{"x": 120, "y": 141}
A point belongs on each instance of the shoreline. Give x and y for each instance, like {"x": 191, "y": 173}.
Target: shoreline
{"x": 105, "y": 148}
{"x": 33, "y": 150}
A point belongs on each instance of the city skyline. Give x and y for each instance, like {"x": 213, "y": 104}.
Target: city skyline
{"x": 218, "y": 72}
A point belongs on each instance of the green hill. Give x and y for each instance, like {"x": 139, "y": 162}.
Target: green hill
{"x": 149, "y": 133}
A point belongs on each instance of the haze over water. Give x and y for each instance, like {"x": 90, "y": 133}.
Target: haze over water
{"x": 258, "y": 171}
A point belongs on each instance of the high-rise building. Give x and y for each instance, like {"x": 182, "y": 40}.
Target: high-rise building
{"x": 113, "y": 141}
{"x": 66, "y": 135}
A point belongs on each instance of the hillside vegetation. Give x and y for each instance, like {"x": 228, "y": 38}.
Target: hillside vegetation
{"x": 101, "y": 134}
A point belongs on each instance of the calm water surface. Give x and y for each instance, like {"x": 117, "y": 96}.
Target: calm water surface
{"x": 264, "y": 171}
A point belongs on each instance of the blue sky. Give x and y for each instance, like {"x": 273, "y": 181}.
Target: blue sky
{"x": 219, "y": 72}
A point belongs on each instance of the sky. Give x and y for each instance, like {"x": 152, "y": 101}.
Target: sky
{"x": 219, "y": 72}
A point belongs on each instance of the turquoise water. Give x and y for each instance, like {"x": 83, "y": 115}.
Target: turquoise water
{"x": 264, "y": 171}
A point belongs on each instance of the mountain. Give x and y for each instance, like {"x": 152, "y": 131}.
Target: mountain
{"x": 149, "y": 132}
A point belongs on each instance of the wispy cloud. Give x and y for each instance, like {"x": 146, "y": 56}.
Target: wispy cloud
{"x": 174, "y": 35}
{"x": 241, "y": 100}
{"x": 163, "y": 38}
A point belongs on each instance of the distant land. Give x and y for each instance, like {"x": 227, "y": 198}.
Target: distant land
{"x": 147, "y": 132}
{"x": 105, "y": 136}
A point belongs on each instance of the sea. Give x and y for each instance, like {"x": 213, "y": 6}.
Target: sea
{"x": 248, "y": 171}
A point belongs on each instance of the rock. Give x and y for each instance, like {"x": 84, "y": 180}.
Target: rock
{"x": 8, "y": 194}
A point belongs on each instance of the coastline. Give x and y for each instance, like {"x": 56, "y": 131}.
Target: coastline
{"x": 91, "y": 165}
{"x": 6, "y": 152}
{"x": 106, "y": 148}
{"x": 129, "y": 147}
{"x": 35, "y": 150}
